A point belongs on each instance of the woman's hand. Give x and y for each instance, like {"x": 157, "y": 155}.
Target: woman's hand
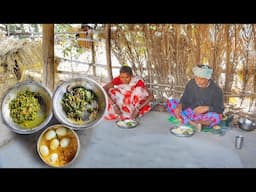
{"x": 201, "y": 109}
{"x": 177, "y": 111}
{"x": 135, "y": 113}
{"x": 117, "y": 109}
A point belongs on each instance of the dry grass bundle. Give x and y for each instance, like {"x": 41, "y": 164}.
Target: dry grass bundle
{"x": 17, "y": 56}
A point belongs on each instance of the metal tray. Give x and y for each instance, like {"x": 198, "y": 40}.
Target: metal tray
{"x": 182, "y": 134}
{"x": 123, "y": 124}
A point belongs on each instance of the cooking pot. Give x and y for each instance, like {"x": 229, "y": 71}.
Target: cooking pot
{"x": 246, "y": 124}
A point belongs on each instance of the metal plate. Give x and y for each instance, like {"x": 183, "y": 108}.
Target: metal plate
{"x": 182, "y": 131}
{"x": 127, "y": 124}
{"x": 69, "y": 154}
{"x": 44, "y": 115}
{"x": 89, "y": 84}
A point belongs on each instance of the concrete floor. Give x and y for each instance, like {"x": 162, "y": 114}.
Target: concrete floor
{"x": 150, "y": 145}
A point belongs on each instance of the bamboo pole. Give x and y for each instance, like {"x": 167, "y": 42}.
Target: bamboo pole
{"x": 93, "y": 60}
{"x": 48, "y": 56}
{"x": 108, "y": 50}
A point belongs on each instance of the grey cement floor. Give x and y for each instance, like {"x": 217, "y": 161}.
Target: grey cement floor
{"x": 150, "y": 145}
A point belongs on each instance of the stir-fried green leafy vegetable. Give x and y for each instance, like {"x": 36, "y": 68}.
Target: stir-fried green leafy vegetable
{"x": 78, "y": 102}
{"x": 24, "y": 107}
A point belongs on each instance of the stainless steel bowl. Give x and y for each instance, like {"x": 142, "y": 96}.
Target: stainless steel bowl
{"x": 246, "y": 124}
{"x": 51, "y": 149}
{"x": 45, "y": 106}
{"x": 87, "y": 83}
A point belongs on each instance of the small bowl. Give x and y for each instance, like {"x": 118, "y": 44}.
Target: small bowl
{"x": 58, "y": 146}
{"x": 44, "y": 115}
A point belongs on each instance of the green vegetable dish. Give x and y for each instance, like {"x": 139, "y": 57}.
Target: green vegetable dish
{"x": 25, "y": 108}
{"x": 80, "y": 104}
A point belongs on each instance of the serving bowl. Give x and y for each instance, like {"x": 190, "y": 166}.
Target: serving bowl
{"x": 27, "y": 107}
{"x": 58, "y": 146}
{"x": 66, "y": 103}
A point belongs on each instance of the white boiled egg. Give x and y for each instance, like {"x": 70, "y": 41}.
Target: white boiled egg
{"x": 44, "y": 150}
{"x": 50, "y": 134}
{"x": 64, "y": 142}
{"x": 53, "y": 157}
{"x": 61, "y": 131}
{"x": 54, "y": 144}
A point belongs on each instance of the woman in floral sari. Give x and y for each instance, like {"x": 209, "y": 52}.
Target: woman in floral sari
{"x": 128, "y": 96}
{"x": 202, "y": 102}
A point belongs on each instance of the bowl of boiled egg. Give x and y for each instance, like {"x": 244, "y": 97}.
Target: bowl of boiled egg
{"x": 58, "y": 145}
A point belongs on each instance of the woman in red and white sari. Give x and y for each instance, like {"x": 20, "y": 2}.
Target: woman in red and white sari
{"x": 128, "y": 96}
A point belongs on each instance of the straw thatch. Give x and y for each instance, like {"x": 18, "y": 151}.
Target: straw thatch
{"x": 17, "y": 56}
{"x": 166, "y": 53}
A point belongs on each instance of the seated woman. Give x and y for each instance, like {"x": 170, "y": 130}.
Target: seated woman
{"x": 128, "y": 96}
{"x": 202, "y": 102}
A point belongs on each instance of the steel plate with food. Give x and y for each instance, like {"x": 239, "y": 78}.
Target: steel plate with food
{"x": 27, "y": 107}
{"x": 182, "y": 131}
{"x": 79, "y": 103}
{"x": 58, "y": 146}
{"x": 127, "y": 123}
